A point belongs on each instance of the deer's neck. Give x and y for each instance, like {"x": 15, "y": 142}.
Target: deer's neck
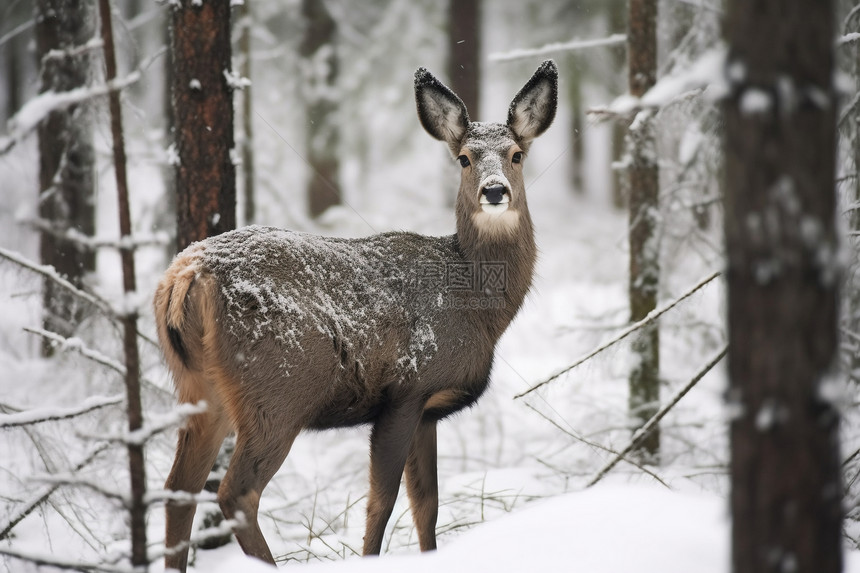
{"x": 504, "y": 258}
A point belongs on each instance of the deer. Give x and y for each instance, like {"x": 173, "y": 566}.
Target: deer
{"x": 278, "y": 332}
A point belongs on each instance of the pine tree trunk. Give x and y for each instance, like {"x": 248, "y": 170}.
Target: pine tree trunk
{"x": 203, "y": 115}
{"x": 576, "y": 124}
{"x": 137, "y": 468}
{"x": 66, "y": 200}
{"x": 617, "y": 25}
{"x": 167, "y": 213}
{"x": 320, "y": 82}
{"x": 644, "y": 211}
{"x": 250, "y": 212}
{"x": 464, "y": 53}
{"x": 782, "y": 286}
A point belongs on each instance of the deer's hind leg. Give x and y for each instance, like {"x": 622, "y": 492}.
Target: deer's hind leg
{"x": 260, "y": 450}
{"x": 197, "y": 448}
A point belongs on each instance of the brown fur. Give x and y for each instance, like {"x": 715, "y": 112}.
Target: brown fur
{"x": 279, "y": 332}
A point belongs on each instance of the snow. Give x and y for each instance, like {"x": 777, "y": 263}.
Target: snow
{"x": 755, "y": 101}
{"x": 609, "y": 528}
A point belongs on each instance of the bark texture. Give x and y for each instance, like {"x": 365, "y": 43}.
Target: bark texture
{"x": 65, "y": 158}
{"x": 644, "y": 209}
{"x": 203, "y": 115}
{"x": 782, "y": 286}
{"x": 318, "y": 49}
{"x": 464, "y": 53}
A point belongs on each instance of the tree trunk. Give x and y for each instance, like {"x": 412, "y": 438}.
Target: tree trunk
{"x": 853, "y": 280}
{"x": 577, "y": 115}
{"x": 643, "y": 229}
{"x": 464, "y": 53}
{"x": 617, "y": 25}
{"x": 137, "y": 469}
{"x": 782, "y": 286}
{"x": 167, "y": 213}
{"x": 66, "y": 201}
{"x": 203, "y": 115}
{"x": 247, "y": 114}
{"x": 323, "y": 133}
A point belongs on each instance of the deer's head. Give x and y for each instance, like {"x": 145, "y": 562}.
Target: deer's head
{"x": 491, "y": 155}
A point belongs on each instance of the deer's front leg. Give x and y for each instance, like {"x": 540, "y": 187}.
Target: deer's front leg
{"x": 389, "y": 447}
{"x": 422, "y": 483}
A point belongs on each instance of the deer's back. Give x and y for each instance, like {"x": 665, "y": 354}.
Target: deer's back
{"x": 341, "y": 323}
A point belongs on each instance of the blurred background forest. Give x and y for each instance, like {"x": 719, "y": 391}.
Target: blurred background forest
{"x": 324, "y": 138}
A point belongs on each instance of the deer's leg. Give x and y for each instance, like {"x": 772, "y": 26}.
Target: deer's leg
{"x": 258, "y": 455}
{"x": 389, "y": 447}
{"x": 197, "y": 448}
{"x": 422, "y": 485}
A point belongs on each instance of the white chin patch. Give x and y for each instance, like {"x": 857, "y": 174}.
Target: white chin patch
{"x": 496, "y": 209}
{"x": 503, "y": 220}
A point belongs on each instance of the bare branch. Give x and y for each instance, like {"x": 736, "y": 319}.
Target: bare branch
{"x": 20, "y": 29}
{"x": 595, "y": 445}
{"x": 51, "y": 561}
{"x": 49, "y": 272}
{"x": 42, "y": 496}
{"x": 70, "y": 480}
{"x": 573, "y": 45}
{"x": 652, "y": 316}
{"x": 642, "y": 432}
{"x": 39, "y": 415}
{"x": 77, "y": 345}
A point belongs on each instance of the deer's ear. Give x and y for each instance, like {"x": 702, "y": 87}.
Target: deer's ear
{"x": 533, "y": 108}
{"x": 441, "y": 112}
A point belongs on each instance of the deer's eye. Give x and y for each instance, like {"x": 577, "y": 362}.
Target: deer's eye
{"x": 464, "y": 161}
{"x": 517, "y": 158}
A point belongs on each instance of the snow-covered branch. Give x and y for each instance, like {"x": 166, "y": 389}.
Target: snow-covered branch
{"x": 77, "y": 345}
{"x": 161, "y": 423}
{"x": 573, "y": 45}
{"x": 50, "y": 414}
{"x": 72, "y": 235}
{"x": 37, "y": 109}
{"x": 179, "y": 497}
{"x": 226, "y": 527}
{"x": 652, "y": 316}
{"x": 642, "y": 432}
{"x": 706, "y": 75}
{"x": 47, "y": 560}
{"x": 849, "y": 38}
{"x": 51, "y": 273}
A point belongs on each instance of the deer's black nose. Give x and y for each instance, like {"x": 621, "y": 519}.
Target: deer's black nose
{"x": 494, "y": 193}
